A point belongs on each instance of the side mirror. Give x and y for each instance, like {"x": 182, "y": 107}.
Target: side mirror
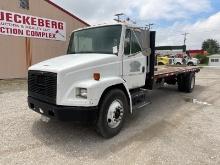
{"x": 146, "y": 52}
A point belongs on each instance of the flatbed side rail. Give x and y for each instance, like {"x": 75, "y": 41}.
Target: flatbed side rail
{"x": 167, "y": 71}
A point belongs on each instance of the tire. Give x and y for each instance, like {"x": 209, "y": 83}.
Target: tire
{"x": 190, "y": 82}
{"x": 190, "y": 64}
{"x": 112, "y": 113}
{"x": 160, "y": 63}
{"x": 186, "y": 83}
{"x": 180, "y": 83}
{"x": 178, "y": 63}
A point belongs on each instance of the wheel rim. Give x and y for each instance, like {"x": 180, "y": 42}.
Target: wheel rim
{"x": 115, "y": 114}
{"x": 192, "y": 82}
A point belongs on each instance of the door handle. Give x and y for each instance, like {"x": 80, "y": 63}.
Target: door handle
{"x": 143, "y": 69}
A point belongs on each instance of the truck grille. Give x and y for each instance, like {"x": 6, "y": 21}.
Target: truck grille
{"x": 42, "y": 85}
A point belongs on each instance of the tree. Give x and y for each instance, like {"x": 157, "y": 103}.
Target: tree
{"x": 202, "y": 59}
{"x": 211, "y": 46}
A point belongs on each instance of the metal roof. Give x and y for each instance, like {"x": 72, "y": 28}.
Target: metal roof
{"x": 215, "y": 56}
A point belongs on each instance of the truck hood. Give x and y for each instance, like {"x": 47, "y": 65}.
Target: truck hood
{"x": 76, "y": 61}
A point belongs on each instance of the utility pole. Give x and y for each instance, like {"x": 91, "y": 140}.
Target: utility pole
{"x": 185, "y": 34}
{"x": 118, "y": 17}
{"x": 132, "y": 21}
{"x": 149, "y": 26}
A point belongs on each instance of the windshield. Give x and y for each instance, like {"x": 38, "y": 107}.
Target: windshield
{"x": 95, "y": 40}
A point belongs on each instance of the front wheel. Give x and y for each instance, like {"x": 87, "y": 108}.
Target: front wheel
{"x": 112, "y": 113}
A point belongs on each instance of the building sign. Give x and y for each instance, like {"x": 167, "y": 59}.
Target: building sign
{"x": 16, "y": 24}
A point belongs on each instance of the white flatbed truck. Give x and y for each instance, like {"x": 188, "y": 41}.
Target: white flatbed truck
{"x": 104, "y": 77}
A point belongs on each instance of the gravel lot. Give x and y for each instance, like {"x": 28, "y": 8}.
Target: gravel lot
{"x": 171, "y": 130}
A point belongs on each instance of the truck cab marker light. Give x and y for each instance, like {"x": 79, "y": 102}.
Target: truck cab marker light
{"x": 96, "y": 76}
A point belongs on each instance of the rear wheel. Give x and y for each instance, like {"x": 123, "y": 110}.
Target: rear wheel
{"x": 190, "y": 82}
{"x": 186, "y": 83}
{"x": 112, "y": 113}
{"x": 181, "y": 83}
{"x": 190, "y": 64}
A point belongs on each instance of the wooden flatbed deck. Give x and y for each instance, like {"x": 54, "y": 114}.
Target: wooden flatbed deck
{"x": 170, "y": 70}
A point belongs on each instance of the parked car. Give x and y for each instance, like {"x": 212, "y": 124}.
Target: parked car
{"x": 186, "y": 60}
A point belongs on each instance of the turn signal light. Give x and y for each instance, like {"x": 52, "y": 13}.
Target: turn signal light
{"x": 96, "y": 76}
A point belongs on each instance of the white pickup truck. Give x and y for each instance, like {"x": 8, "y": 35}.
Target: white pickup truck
{"x": 186, "y": 60}
{"x": 104, "y": 77}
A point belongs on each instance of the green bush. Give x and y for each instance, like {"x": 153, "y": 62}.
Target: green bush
{"x": 202, "y": 58}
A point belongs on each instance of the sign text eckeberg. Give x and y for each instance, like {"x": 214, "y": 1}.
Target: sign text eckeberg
{"x": 30, "y": 26}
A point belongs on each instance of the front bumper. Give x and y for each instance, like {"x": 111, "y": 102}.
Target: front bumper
{"x": 63, "y": 113}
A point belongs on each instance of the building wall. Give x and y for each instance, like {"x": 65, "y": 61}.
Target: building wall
{"x": 216, "y": 63}
{"x": 13, "y": 56}
{"x": 193, "y": 53}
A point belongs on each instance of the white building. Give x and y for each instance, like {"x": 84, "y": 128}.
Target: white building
{"x": 214, "y": 60}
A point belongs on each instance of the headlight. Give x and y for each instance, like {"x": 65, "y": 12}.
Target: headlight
{"x": 82, "y": 92}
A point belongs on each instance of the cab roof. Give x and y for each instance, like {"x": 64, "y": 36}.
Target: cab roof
{"x": 108, "y": 24}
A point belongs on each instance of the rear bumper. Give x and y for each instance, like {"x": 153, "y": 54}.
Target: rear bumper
{"x": 63, "y": 113}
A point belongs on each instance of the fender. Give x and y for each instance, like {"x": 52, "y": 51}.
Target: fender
{"x": 95, "y": 90}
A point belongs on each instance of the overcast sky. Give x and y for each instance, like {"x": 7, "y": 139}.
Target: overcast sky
{"x": 200, "y": 18}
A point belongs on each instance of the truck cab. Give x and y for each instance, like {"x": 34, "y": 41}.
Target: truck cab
{"x": 163, "y": 60}
{"x": 102, "y": 65}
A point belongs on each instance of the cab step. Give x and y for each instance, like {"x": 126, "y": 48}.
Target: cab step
{"x": 140, "y": 98}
